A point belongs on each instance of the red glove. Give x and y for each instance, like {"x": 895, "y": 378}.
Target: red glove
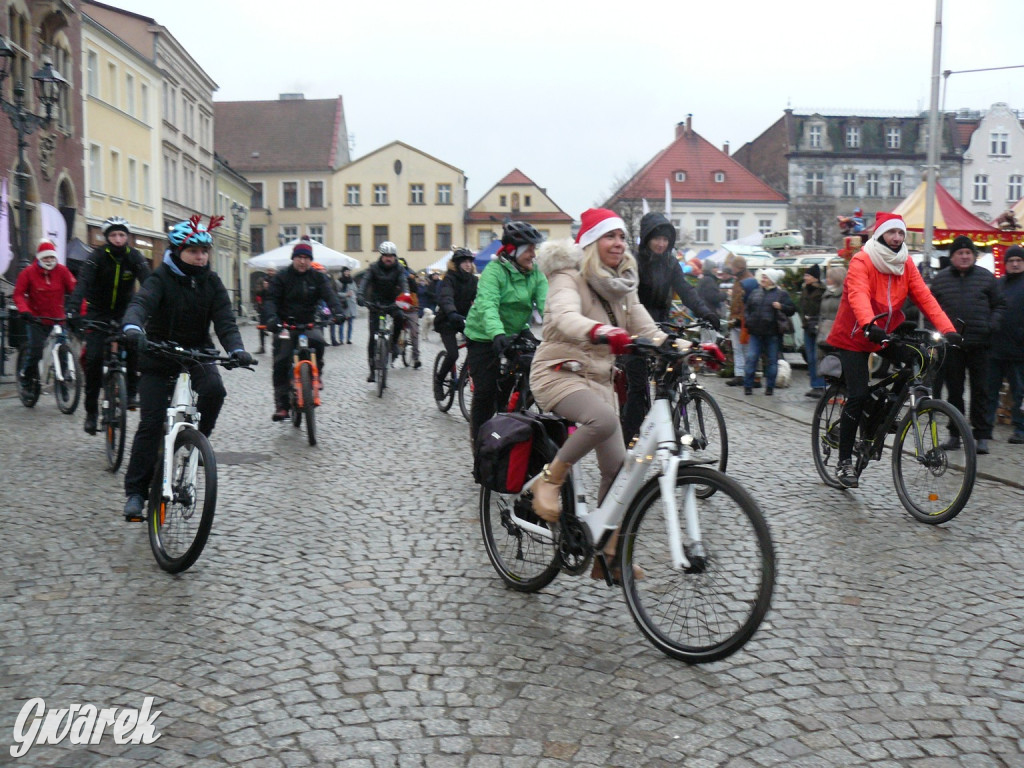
{"x": 616, "y": 338}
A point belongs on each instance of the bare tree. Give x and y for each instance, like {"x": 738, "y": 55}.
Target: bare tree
{"x": 630, "y": 210}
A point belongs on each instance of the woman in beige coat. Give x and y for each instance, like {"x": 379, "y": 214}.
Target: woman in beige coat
{"x": 592, "y": 312}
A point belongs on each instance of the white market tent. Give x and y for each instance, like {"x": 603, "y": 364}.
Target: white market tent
{"x": 748, "y": 247}
{"x": 279, "y": 258}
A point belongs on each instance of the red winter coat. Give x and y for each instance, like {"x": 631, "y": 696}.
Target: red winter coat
{"x": 41, "y": 293}
{"x": 868, "y": 292}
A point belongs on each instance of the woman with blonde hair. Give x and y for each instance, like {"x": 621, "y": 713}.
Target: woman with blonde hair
{"x": 591, "y": 315}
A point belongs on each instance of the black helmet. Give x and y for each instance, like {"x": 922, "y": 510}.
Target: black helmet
{"x": 519, "y": 233}
{"x": 462, "y": 254}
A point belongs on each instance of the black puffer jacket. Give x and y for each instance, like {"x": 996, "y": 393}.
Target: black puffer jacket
{"x": 458, "y": 290}
{"x": 661, "y": 275}
{"x": 971, "y": 296}
{"x": 296, "y": 295}
{"x": 107, "y": 281}
{"x": 382, "y": 285}
{"x": 1008, "y": 341}
{"x": 761, "y": 317}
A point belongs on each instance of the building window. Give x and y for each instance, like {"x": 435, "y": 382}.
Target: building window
{"x": 289, "y": 194}
{"x": 353, "y": 237}
{"x": 526, "y": 201}
{"x": 444, "y": 194}
{"x": 814, "y": 136}
{"x": 147, "y": 196}
{"x": 256, "y": 240}
{"x": 133, "y": 179}
{"x": 115, "y": 173}
{"x": 380, "y": 194}
{"x": 95, "y": 168}
{"x": 380, "y": 234}
{"x": 92, "y": 74}
{"x": 892, "y": 138}
{"x": 316, "y": 232}
{"x": 1015, "y": 190}
{"x": 444, "y": 237}
{"x": 315, "y": 189}
{"x": 415, "y": 194}
{"x": 732, "y": 229}
{"x": 999, "y": 143}
{"x": 764, "y": 226}
{"x": 112, "y": 85}
{"x": 896, "y": 185}
{"x": 129, "y": 95}
{"x": 871, "y": 187}
{"x": 256, "y": 201}
{"x": 290, "y": 232}
{"x": 484, "y": 238}
{"x": 853, "y": 137}
{"x": 352, "y": 194}
{"x": 502, "y": 200}
{"x": 144, "y": 98}
{"x": 815, "y": 183}
{"x": 849, "y": 183}
{"x": 981, "y": 188}
{"x": 719, "y": 177}
{"x": 680, "y": 176}
{"x": 700, "y": 230}
{"x": 417, "y": 238}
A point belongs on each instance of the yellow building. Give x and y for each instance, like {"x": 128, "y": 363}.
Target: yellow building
{"x": 231, "y": 246}
{"x": 121, "y": 140}
{"x": 518, "y": 198}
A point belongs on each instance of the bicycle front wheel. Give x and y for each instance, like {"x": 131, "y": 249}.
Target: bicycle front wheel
{"x": 28, "y": 392}
{"x": 179, "y": 526}
{"x": 115, "y": 418}
{"x": 710, "y": 610}
{"x": 308, "y": 403}
{"x": 825, "y": 434}
{"x": 934, "y": 483}
{"x": 447, "y": 379}
{"x": 67, "y": 387}
{"x": 700, "y": 416}
{"x": 465, "y": 393}
{"x": 381, "y": 363}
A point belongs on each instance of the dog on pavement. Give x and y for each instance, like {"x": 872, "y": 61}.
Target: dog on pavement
{"x": 426, "y": 323}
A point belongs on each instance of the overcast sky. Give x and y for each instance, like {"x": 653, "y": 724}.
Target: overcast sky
{"x": 576, "y": 94}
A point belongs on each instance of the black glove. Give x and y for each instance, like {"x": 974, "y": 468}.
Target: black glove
{"x": 528, "y": 334}
{"x": 242, "y": 357}
{"x": 360, "y": 301}
{"x": 457, "y": 321}
{"x": 273, "y": 323}
{"x": 874, "y": 334}
{"x": 954, "y": 339}
{"x": 135, "y": 338}
{"x": 714, "y": 321}
{"x": 338, "y": 319}
{"x": 500, "y": 344}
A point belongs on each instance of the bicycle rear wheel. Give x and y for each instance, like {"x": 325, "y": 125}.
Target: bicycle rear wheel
{"x": 712, "y": 611}
{"x": 465, "y": 392}
{"x": 180, "y": 526}
{"x": 931, "y": 488}
{"x": 381, "y": 362}
{"x": 308, "y": 403}
{"x": 115, "y": 418}
{"x": 67, "y": 388}
{"x": 447, "y": 384}
{"x": 525, "y": 561}
{"x": 28, "y": 392}
{"x": 700, "y": 416}
{"x": 825, "y": 433}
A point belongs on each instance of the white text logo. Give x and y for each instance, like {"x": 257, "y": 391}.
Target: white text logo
{"x": 82, "y": 724}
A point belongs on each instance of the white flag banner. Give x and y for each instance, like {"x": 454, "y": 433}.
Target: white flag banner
{"x": 644, "y": 207}
{"x": 5, "y": 230}
{"x": 668, "y": 201}
{"x": 55, "y": 229}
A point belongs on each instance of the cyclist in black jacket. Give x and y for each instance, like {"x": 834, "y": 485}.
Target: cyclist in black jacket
{"x": 107, "y": 283}
{"x": 382, "y": 284}
{"x": 294, "y": 295}
{"x": 458, "y": 290}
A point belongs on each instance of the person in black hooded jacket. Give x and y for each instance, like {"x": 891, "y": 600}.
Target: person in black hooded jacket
{"x": 660, "y": 278}
{"x": 458, "y": 291}
{"x": 384, "y": 281}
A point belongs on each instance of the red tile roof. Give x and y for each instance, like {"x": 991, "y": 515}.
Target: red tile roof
{"x": 964, "y": 131}
{"x": 700, "y": 161}
{"x": 515, "y": 176}
{"x": 283, "y": 135}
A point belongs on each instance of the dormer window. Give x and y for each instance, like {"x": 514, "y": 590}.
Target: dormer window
{"x": 814, "y": 133}
{"x": 680, "y": 175}
{"x": 719, "y": 177}
{"x": 892, "y": 138}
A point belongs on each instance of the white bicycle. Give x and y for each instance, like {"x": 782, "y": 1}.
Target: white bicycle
{"x": 59, "y": 364}
{"x": 708, "y": 563}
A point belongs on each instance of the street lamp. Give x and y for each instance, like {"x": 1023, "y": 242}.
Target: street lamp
{"x": 49, "y": 86}
{"x": 238, "y": 212}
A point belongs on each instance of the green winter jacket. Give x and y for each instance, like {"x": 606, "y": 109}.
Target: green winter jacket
{"x": 505, "y": 300}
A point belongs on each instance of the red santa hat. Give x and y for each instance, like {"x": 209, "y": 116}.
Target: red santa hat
{"x": 46, "y": 248}
{"x": 596, "y": 222}
{"x": 886, "y": 221}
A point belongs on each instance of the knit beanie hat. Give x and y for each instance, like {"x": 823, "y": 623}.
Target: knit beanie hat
{"x": 886, "y": 221}
{"x": 1013, "y": 252}
{"x": 775, "y": 275}
{"x": 302, "y": 248}
{"x": 596, "y": 222}
{"x": 962, "y": 241}
{"x": 814, "y": 271}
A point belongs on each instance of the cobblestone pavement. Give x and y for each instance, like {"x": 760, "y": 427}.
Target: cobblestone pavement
{"x": 344, "y": 612}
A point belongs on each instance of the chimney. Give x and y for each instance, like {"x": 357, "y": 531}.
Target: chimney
{"x": 725, "y": 148}
{"x": 689, "y": 124}
{"x": 680, "y": 130}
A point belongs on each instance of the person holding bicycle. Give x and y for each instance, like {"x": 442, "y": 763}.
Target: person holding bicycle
{"x": 458, "y": 291}
{"x": 384, "y": 282}
{"x": 107, "y": 283}
{"x": 880, "y": 278}
{"x": 507, "y": 292}
{"x": 40, "y": 294}
{"x": 177, "y": 304}
{"x": 294, "y": 295}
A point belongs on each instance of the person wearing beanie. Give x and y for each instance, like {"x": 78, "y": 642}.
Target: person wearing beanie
{"x": 880, "y": 278}
{"x": 510, "y": 289}
{"x": 41, "y": 294}
{"x": 106, "y": 282}
{"x": 294, "y": 296}
{"x": 1007, "y": 358}
{"x": 810, "y": 308}
{"x": 661, "y": 277}
{"x": 178, "y": 303}
{"x": 455, "y": 299}
{"x": 593, "y": 312}
{"x": 969, "y": 294}
{"x": 383, "y": 282}
{"x": 766, "y": 308}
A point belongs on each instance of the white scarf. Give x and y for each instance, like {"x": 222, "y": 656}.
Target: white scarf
{"x": 884, "y": 258}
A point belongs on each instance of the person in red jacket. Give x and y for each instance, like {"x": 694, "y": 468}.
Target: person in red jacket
{"x": 880, "y": 278}
{"x": 39, "y": 293}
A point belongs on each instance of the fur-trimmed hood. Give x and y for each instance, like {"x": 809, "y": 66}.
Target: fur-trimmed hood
{"x": 554, "y": 255}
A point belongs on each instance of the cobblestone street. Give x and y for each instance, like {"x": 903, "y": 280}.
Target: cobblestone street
{"x": 344, "y": 612}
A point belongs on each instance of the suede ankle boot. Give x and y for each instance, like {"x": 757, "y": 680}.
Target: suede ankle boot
{"x": 547, "y": 490}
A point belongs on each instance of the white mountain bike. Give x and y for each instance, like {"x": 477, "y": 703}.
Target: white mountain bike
{"x": 708, "y": 561}
{"x": 58, "y": 365}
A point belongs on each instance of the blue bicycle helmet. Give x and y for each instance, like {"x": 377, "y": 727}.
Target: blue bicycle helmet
{"x": 192, "y": 232}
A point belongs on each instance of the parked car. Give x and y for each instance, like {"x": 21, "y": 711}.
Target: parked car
{"x": 785, "y": 238}
{"x": 801, "y": 262}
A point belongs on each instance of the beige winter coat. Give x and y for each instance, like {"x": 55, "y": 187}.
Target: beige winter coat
{"x": 572, "y": 310}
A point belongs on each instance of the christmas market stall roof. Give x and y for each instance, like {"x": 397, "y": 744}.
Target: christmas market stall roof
{"x": 951, "y": 218}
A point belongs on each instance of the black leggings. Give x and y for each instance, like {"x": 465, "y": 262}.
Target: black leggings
{"x": 451, "y": 351}
{"x": 857, "y": 377}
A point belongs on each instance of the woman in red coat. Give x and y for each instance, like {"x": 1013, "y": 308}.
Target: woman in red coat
{"x": 879, "y": 280}
{"x": 40, "y": 292}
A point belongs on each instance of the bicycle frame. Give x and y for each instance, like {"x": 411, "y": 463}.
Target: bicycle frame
{"x": 182, "y": 414}
{"x": 302, "y": 355}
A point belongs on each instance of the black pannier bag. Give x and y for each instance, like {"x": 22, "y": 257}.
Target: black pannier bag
{"x": 503, "y": 451}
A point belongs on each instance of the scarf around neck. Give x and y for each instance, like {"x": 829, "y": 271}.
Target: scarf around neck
{"x": 613, "y": 287}
{"x": 885, "y": 259}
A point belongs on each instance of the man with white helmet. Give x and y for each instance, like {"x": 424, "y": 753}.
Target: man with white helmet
{"x": 384, "y": 282}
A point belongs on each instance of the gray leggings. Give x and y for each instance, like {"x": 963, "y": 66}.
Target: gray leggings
{"x": 597, "y": 428}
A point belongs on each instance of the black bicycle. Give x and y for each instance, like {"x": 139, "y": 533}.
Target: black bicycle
{"x": 450, "y": 381}
{"x": 114, "y": 403}
{"x": 382, "y": 344}
{"x": 513, "y": 392}
{"x": 933, "y": 477}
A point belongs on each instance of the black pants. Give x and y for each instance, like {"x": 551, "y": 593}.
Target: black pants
{"x": 35, "y": 340}
{"x": 484, "y": 366}
{"x": 637, "y": 395}
{"x": 397, "y": 322}
{"x": 857, "y": 377}
{"x": 451, "y": 351}
{"x": 155, "y": 389}
{"x": 95, "y": 348}
{"x": 961, "y": 362}
{"x": 283, "y": 350}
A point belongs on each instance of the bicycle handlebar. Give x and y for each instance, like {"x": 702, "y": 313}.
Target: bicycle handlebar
{"x": 179, "y": 353}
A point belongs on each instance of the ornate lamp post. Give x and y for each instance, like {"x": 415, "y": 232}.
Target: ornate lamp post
{"x": 238, "y": 212}
{"x": 49, "y": 86}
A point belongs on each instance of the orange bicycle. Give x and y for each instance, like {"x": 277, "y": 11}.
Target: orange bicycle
{"x": 305, "y": 390}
